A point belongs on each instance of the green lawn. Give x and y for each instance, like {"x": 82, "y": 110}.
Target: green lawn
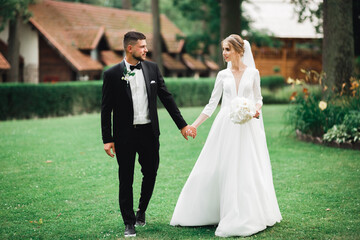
{"x": 56, "y": 170}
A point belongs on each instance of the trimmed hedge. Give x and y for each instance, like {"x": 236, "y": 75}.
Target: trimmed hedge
{"x": 282, "y": 95}
{"x": 18, "y": 101}
{"x": 188, "y": 92}
{"x": 273, "y": 82}
{"x": 22, "y": 101}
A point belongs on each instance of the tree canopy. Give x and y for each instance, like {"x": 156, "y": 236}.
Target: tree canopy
{"x": 10, "y": 9}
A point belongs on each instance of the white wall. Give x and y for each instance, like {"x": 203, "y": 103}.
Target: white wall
{"x": 29, "y": 44}
{"x": 4, "y": 35}
{"x": 29, "y": 50}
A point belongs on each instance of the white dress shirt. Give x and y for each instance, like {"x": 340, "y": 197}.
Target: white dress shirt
{"x": 139, "y": 96}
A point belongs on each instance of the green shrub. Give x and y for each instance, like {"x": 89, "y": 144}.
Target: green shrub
{"x": 272, "y": 97}
{"x": 306, "y": 115}
{"x": 287, "y": 91}
{"x": 18, "y": 101}
{"x": 276, "y": 69}
{"x": 272, "y": 82}
{"x": 352, "y": 120}
{"x": 337, "y": 134}
{"x": 282, "y": 95}
{"x": 189, "y": 92}
{"x": 348, "y": 131}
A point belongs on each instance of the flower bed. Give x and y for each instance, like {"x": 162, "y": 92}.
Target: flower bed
{"x": 332, "y": 118}
{"x": 318, "y": 140}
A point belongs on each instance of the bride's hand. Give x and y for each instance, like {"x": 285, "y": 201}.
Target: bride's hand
{"x": 193, "y": 131}
{"x": 257, "y": 114}
{"x": 188, "y": 131}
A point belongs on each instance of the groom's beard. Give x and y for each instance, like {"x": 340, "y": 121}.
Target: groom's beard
{"x": 139, "y": 58}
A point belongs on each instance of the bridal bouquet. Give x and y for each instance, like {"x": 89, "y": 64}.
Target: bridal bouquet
{"x": 242, "y": 110}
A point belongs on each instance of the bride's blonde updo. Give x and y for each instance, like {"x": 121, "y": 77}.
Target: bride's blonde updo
{"x": 235, "y": 42}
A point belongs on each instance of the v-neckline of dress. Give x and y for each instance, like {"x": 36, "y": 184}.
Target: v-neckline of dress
{"x": 237, "y": 87}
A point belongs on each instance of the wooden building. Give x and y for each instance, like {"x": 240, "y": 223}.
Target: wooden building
{"x": 300, "y": 49}
{"x": 4, "y": 65}
{"x": 66, "y": 41}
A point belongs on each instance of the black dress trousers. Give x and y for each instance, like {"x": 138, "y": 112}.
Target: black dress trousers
{"x": 141, "y": 140}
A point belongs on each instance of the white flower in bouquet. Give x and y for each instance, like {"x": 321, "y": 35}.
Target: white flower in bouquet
{"x": 242, "y": 110}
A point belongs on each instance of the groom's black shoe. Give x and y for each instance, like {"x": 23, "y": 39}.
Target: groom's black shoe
{"x": 129, "y": 230}
{"x": 140, "y": 219}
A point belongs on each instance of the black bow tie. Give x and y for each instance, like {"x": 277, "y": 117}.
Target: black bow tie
{"x": 137, "y": 66}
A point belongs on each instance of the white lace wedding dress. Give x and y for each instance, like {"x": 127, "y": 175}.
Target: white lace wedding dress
{"x": 231, "y": 183}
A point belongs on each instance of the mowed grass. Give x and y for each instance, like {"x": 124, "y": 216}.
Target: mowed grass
{"x": 57, "y": 183}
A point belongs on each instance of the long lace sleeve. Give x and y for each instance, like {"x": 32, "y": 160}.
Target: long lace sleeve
{"x": 257, "y": 89}
{"x": 215, "y": 96}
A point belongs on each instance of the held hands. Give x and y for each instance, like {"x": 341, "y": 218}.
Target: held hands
{"x": 108, "y": 147}
{"x": 188, "y": 131}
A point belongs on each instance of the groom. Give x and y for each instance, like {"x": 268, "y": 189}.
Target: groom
{"x": 130, "y": 91}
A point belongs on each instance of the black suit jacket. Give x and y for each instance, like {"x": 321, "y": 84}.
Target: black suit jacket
{"x": 117, "y": 99}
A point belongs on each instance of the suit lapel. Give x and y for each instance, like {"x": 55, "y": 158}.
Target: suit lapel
{"x": 145, "y": 70}
{"x": 128, "y": 89}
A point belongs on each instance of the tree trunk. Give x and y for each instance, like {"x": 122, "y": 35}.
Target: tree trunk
{"x": 126, "y": 4}
{"x": 156, "y": 41}
{"x": 338, "y": 43}
{"x": 13, "y": 51}
{"x": 230, "y": 17}
{"x": 356, "y": 24}
{"x": 230, "y": 20}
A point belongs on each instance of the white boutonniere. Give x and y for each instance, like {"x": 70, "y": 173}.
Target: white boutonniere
{"x": 127, "y": 74}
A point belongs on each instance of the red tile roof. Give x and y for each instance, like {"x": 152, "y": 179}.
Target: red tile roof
{"x": 87, "y": 38}
{"x": 71, "y": 27}
{"x": 57, "y": 31}
{"x": 83, "y": 17}
{"x": 211, "y": 64}
{"x": 110, "y": 57}
{"x": 4, "y": 65}
{"x": 4, "y": 50}
{"x": 115, "y": 39}
{"x": 172, "y": 64}
{"x": 192, "y": 63}
{"x": 172, "y": 44}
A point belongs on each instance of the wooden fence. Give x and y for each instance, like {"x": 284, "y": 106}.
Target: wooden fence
{"x": 286, "y": 62}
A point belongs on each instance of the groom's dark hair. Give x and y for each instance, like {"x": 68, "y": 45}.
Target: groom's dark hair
{"x": 130, "y": 38}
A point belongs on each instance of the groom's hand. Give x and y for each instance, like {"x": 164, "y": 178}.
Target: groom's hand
{"x": 188, "y": 131}
{"x": 108, "y": 147}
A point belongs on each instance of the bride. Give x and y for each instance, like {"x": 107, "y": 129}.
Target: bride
{"x": 231, "y": 184}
